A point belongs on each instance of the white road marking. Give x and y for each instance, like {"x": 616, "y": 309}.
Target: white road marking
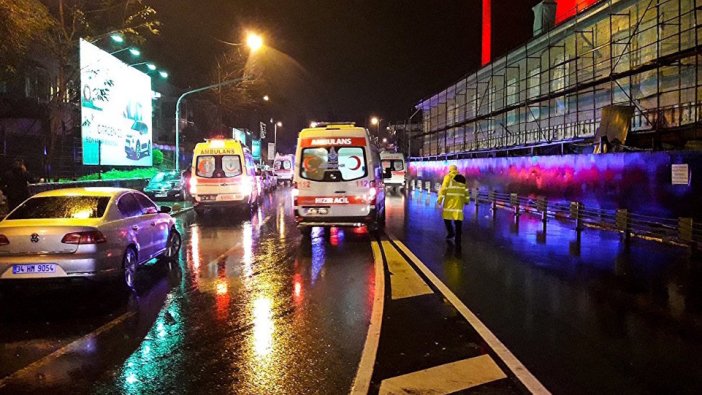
{"x": 361, "y": 383}
{"x": 404, "y": 280}
{"x": 71, "y": 347}
{"x": 519, "y": 370}
{"x": 445, "y": 379}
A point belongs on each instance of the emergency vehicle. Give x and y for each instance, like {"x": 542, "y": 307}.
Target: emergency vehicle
{"x": 283, "y": 167}
{"x": 338, "y": 179}
{"x": 394, "y": 162}
{"x": 223, "y": 175}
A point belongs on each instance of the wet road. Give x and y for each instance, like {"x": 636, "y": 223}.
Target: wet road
{"x": 252, "y": 308}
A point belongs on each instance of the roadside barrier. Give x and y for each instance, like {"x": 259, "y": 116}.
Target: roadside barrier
{"x": 678, "y": 231}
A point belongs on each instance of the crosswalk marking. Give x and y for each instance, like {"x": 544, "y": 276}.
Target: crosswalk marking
{"x": 445, "y": 379}
{"x": 404, "y": 281}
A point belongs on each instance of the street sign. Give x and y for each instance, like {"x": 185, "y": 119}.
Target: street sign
{"x": 680, "y": 174}
{"x": 262, "y": 126}
{"x": 271, "y": 151}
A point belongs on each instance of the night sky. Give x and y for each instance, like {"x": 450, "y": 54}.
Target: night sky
{"x": 334, "y": 59}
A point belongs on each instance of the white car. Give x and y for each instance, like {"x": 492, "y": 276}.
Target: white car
{"x": 91, "y": 233}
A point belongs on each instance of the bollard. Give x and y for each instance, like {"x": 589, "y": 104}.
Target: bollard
{"x": 576, "y": 212}
{"x": 493, "y": 198}
{"x": 542, "y": 207}
{"x": 623, "y": 223}
{"x": 685, "y": 226}
{"x": 514, "y": 201}
{"x": 476, "y": 191}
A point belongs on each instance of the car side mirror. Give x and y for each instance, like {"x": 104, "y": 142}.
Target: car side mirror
{"x": 165, "y": 210}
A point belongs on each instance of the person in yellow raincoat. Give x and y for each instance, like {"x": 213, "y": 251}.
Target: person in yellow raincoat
{"x": 453, "y": 196}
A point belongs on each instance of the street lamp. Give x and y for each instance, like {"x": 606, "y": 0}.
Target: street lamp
{"x": 275, "y": 134}
{"x": 313, "y": 124}
{"x": 134, "y": 51}
{"x": 375, "y": 121}
{"x": 118, "y": 38}
{"x": 266, "y": 98}
{"x": 163, "y": 74}
{"x": 254, "y": 42}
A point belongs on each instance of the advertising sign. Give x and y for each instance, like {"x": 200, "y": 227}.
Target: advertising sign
{"x": 116, "y": 110}
{"x": 239, "y": 134}
{"x": 256, "y": 149}
{"x": 271, "y": 151}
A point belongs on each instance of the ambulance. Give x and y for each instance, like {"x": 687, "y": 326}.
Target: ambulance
{"x": 283, "y": 167}
{"x": 394, "y": 163}
{"x": 223, "y": 175}
{"x": 338, "y": 179}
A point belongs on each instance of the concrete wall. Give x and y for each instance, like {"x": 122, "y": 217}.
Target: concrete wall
{"x": 640, "y": 181}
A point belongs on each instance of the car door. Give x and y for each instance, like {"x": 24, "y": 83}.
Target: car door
{"x": 158, "y": 223}
{"x": 137, "y": 224}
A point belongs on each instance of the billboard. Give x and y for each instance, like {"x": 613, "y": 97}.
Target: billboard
{"x": 256, "y": 149}
{"x": 239, "y": 134}
{"x": 116, "y": 110}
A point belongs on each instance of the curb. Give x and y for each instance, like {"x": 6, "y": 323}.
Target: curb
{"x": 181, "y": 211}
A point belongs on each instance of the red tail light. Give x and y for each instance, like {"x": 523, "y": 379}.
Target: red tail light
{"x": 89, "y": 237}
{"x": 3, "y": 240}
{"x": 372, "y": 193}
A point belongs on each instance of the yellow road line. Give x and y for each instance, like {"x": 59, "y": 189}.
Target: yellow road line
{"x": 361, "y": 383}
{"x": 404, "y": 281}
{"x": 519, "y": 370}
{"x": 71, "y": 347}
{"x": 445, "y": 379}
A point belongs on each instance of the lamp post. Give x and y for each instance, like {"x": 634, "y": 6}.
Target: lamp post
{"x": 275, "y": 134}
{"x": 254, "y": 42}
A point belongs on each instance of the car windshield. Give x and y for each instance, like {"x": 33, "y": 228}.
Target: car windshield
{"x": 79, "y": 207}
{"x": 165, "y": 177}
{"x": 333, "y": 164}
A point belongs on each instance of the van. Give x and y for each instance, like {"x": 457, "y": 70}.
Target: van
{"x": 394, "y": 163}
{"x": 223, "y": 175}
{"x": 283, "y": 166}
{"x": 338, "y": 179}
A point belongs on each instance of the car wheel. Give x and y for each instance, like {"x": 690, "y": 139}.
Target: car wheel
{"x": 306, "y": 231}
{"x": 129, "y": 267}
{"x": 173, "y": 245}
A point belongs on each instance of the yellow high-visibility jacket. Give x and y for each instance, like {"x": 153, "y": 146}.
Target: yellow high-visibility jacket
{"x": 453, "y": 196}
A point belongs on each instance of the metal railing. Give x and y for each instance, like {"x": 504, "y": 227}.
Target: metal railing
{"x": 682, "y": 231}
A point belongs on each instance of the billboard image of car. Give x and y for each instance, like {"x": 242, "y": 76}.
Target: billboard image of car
{"x": 116, "y": 110}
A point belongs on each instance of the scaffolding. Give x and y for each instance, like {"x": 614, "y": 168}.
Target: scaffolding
{"x": 551, "y": 91}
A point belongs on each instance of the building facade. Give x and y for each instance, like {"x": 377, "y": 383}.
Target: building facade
{"x": 640, "y": 54}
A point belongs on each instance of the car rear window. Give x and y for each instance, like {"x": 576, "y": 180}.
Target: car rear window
{"x": 393, "y": 164}
{"x": 333, "y": 164}
{"x": 217, "y": 166}
{"x": 282, "y": 164}
{"x": 62, "y": 207}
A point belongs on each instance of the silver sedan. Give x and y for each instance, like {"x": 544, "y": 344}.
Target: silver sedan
{"x": 93, "y": 233}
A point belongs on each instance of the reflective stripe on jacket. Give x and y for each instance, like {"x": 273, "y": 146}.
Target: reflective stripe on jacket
{"x": 454, "y": 197}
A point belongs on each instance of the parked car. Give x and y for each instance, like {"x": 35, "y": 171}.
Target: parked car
{"x": 167, "y": 185}
{"x": 86, "y": 233}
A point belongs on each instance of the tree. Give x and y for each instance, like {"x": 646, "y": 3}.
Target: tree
{"x": 157, "y": 156}
{"x": 22, "y": 22}
{"x": 233, "y": 101}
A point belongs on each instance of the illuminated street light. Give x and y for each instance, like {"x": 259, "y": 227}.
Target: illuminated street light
{"x": 375, "y": 121}
{"x": 163, "y": 74}
{"x": 134, "y": 51}
{"x": 279, "y": 124}
{"x": 117, "y": 38}
{"x": 313, "y": 124}
{"x": 254, "y": 41}
{"x": 151, "y": 66}
{"x": 266, "y": 98}
{"x": 385, "y": 140}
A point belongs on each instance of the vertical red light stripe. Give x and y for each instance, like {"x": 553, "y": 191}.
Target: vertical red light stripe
{"x": 487, "y": 33}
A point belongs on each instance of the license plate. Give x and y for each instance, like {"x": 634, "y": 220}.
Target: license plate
{"x": 161, "y": 194}
{"x": 206, "y": 198}
{"x": 228, "y": 197}
{"x": 34, "y": 269}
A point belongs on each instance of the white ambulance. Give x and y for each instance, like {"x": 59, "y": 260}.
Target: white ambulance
{"x": 223, "y": 175}
{"x": 394, "y": 163}
{"x": 338, "y": 179}
{"x": 283, "y": 167}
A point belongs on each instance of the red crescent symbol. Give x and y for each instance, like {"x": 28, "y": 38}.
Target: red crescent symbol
{"x": 358, "y": 162}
